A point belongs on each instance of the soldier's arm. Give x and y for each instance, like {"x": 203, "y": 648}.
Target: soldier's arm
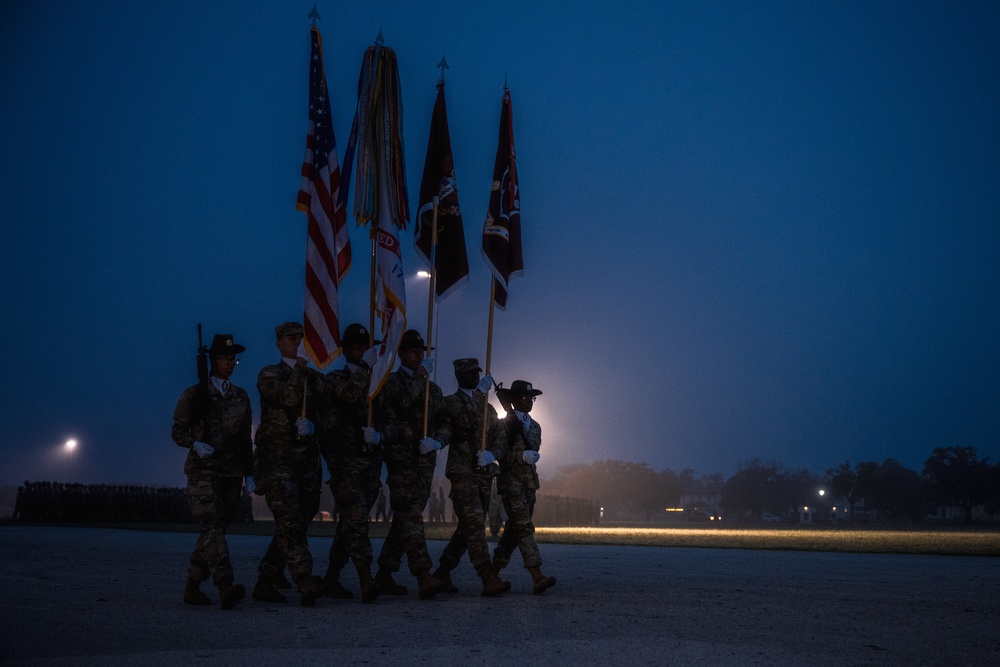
{"x": 497, "y": 435}
{"x": 244, "y": 439}
{"x": 352, "y": 390}
{"x": 386, "y": 410}
{"x": 439, "y": 427}
{"x": 286, "y": 393}
{"x": 182, "y": 433}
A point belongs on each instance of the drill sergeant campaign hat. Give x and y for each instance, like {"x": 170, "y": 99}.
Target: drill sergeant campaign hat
{"x": 222, "y": 344}
{"x": 411, "y": 339}
{"x": 467, "y": 365}
{"x": 355, "y": 334}
{"x": 523, "y": 388}
{"x": 289, "y": 329}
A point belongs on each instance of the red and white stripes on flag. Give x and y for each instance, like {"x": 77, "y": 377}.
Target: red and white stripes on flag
{"x": 328, "y": 244}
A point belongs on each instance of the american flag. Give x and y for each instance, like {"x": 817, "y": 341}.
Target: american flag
{"x": 328, "y": 244}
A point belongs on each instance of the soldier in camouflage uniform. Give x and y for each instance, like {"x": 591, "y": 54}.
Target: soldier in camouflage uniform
{"x": 219, "y": 463}
{"x": 471, "y": 471}
{"x": 410, "y": 455}
{"x": 517, "y": 482}
{"x": 288, "y": 468}
{"x": 353, "y": 455}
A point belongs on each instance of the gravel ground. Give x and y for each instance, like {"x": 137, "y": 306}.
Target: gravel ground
{"x": 82, "y": 596}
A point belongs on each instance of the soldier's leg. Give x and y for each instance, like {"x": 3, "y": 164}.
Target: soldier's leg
{"x": 340, "y": 547}
{"x": 202, "y": 503}
{"x": 507, "y": 542}
{"x": 284, "y": 497}
{"x": 417, "y": 490}
{"x": 520, "y": 527}
{"x": 391, "y": 554}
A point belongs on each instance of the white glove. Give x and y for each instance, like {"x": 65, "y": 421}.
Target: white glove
{"x": 370, "y": 356}
{"x": 203, "y": 449}
{"x": 428, "y": 445}
{"x": 304, "y": 427}
{"x": 428, "y": 365}
{"x": 485, "y": 384}
{"x": 484, "y": 458}
{"x": 372, "y": 437}
{"x": 530, "y": 456}
{"x": 248, "y": 482}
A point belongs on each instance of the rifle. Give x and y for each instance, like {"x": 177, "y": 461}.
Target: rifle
{"x": 199, "y": 407}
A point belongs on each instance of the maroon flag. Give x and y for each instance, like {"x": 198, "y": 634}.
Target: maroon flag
{"x": 502, "y": 229}
{"x": 439, "y": 181}
{"x": 328, "y": 243}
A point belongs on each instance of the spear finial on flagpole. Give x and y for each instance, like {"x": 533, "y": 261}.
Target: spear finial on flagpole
{"x": 443, "y": 65}
{"x": 314, "y": 15}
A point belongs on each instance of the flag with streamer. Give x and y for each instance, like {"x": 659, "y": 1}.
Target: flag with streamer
{"x": 328, "y": 243}
{"x": 449, "y": 257}
{"x": 380, "y": 197}
{"x": 502, "y": 229}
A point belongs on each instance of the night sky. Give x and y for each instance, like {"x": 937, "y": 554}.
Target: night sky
{"x": 761, "y": 230}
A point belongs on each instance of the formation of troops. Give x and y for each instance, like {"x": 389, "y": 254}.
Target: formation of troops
{"x": 306, "y": 416}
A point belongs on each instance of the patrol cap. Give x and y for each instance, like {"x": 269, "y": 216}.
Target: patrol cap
{"x": 523, "y": 388}
{"x": 223, "y": 344}
{"x": 467, "y": 365}
{"x": 289, "y": 329}
{"x": 411, "y": 339}
{"x": 355, "y": 334}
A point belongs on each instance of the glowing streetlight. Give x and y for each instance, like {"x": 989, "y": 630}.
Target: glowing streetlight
{"x": 70, "y": 446}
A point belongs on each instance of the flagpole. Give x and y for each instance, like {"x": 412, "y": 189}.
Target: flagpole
{"x": 371, "y": 304}
{"x": 489, "y": 353}
{"x": 430, "y": 310}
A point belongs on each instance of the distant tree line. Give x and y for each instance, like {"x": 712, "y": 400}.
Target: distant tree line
{"x": 887, "y": 492}
{"x": 58, "y": 502}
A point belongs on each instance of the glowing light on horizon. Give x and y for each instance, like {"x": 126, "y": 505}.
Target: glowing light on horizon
{"x": 70, "y": 445}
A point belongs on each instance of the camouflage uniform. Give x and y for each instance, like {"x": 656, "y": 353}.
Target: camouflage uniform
{"x": 288, "y": 469}
{"x": 410, "y": 473}
{"x": 517, "y": 484}
{"x": 215, "y": 483}
{"x": 355, "y": 466}
{"x": 470, "y": 486}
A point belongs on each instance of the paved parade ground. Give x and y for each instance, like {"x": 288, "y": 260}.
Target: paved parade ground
{"x": 85, "y": 596}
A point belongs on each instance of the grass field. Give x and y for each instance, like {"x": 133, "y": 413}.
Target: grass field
{"x": 931, "y": 541}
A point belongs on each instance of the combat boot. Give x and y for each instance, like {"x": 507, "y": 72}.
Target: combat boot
{"x": 541, "y": 581}
{"x": 387, "y": 584}
{"x": 444, "y": 574}
{"x": 370, "y": 589}
{"x": 309, "y": 590}
{"x": 230, "y": 595}
{"x": 429, "y": 586}
{"x": 193, "y": 594}
{"x": 281, "y": 582}
{"x": 265, "y": 591}
{"x": 492, "y": 584}
{"x": 332, "y": 588}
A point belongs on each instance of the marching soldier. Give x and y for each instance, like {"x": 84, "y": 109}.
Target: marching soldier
{"x": 410, "y": 454}
{"x": 471, "y": 471}
{"x": 517, "y": 483}
{"x": 353, "y": 454}
{"x": 288, "y": 467}
{"x": 212, "y": 420}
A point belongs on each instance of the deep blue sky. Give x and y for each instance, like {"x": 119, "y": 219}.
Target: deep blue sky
{"x": 751, "y": 229}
